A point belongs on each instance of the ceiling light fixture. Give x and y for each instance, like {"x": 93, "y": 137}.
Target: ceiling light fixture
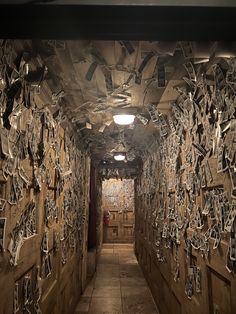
{"x": 119, "y": 156}
{"x": 123, "y": 119}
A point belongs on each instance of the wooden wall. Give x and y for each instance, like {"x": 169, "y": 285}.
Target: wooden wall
{"x": 118, "y": 199}
{"x": 95, "y": 231}
{"x": 99, "y": 215}
{"x": 44, "y": 192}
{"x": 185, "y": 199}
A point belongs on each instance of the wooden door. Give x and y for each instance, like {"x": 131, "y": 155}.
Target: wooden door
{"x": 118, "y": 201}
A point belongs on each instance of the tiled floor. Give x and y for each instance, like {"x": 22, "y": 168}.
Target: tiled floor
{"x": 118, "y": 286}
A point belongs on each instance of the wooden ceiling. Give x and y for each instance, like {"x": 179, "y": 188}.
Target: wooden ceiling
{"x": 92, "y": 79}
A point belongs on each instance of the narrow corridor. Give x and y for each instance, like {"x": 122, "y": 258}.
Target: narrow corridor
{"x": 118, "y": 286}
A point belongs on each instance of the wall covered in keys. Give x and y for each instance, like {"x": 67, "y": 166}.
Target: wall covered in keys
{"x": 44, "y": 191}
{"x": 186, "y": 195}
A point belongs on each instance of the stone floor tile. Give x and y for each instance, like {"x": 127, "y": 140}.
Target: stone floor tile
{"x": 127, "y": 259}
{"x": 107, "y": 246}
{"x": 139, "y": 305}
{"x": 109, "y": 259}
{"x": 123, "y": 247}
{"x": 108, "y": 267}
{"x": 110, "y": 281}
{"x": 107, "y": 251}
{"x": 118, "y": 286}
{"x": 137, "y": 291}
{"x": 105, "y": 305}
{"x": 131, "y": 268}
{"x": 133, "y": 282}
{"x": 112, "y": 272}
{"x": 107, "y": 292}
{"x": 129, "y": 274}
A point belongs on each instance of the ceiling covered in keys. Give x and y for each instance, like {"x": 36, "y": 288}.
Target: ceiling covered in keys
{"x": 84, "y": 83}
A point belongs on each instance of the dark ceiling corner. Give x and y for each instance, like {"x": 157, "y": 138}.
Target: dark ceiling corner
{"x": 117, "y": 22}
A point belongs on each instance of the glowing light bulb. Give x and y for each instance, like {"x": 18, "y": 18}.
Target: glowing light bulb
{"x": 123, "y": 119}
{"x": 119, "y": 157}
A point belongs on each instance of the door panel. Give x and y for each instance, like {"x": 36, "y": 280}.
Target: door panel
{"x": 118, "y": 201}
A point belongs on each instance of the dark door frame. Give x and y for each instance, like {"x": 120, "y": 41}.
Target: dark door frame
{"x": 92, "y": 236}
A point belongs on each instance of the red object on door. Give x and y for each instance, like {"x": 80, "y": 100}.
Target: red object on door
{"x": 106, "y": 217}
